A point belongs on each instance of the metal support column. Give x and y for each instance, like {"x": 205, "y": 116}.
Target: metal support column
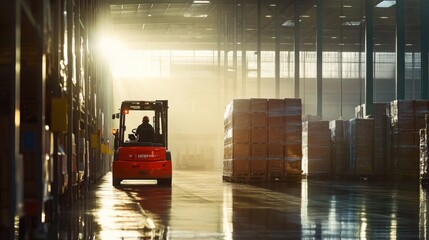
{"x": 70, "y": 68}
{"x": 12, "y": 44}
{"x": 319, "y": 53}
{"x": 57, "y": 93}
{"x": 225, "y": 59}
{"x": 234, "y": 54}
{"x": 277, "y": 49}
{"x": 400, "y": 49}
{"x": 297, "y": 47}
{"x": 424, "y": 48}
{"x": 369, "y": 55}
{"x": 41, "y": 90}
{"x": 219, "y": 52}
{"x": 243, "y": 49}
{"x": 258, "y": 51}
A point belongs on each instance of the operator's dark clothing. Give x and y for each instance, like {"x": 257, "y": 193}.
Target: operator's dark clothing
{"x": 145, "y": 132}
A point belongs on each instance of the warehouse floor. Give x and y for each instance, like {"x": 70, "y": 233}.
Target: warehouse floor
{"x": 199, "y": 205}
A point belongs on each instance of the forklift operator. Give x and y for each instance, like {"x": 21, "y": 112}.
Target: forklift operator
{"x": 145, "y": 131}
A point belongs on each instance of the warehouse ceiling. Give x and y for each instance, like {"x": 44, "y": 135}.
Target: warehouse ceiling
{"x": 200, "y": 24}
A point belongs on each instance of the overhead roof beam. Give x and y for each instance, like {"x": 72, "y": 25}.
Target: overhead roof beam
{"x": 124, "y": 2}
{"x": 161, "y": 20}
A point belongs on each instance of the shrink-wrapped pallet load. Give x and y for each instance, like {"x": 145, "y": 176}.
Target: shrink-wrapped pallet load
{"x": 237, "y": 139}
{"x": 381, "y": 145}
{"x": 407, "y": 117}
{"x": 258, "y": 139}
{"x": 338, "y": 153}
{"x": 276, "y": 129}
{"x": 293, "y": 136}
{"x": 424, "y": 153}
{"x": 263, "y": 139}
{"x": 361, "y": 146}
{"x": 316, "y": 148}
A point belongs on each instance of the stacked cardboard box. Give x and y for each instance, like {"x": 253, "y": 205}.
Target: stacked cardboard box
{"x": 424, "y": 174}
{"x": 316, "y": 148}
{"x": 276, "y": 129}
{"x": 258, "y": 139}
{"x": 424, "y": 152}
{"x": 293, "y": 136}
{"x": 263, "y": 137}
{"x": 237, "y": 139}
{"x": 361, "y": 146}
{"x": 380, "y": 138}
{"x": 407, "y": 117}
{"x": 338, "y": 153}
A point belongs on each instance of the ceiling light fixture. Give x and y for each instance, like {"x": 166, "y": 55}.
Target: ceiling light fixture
{"x": 386, "y": 4}
{"x": 288, "y": 23}
{"x": 201, "y": 2}
{"x": 351, "y": 23}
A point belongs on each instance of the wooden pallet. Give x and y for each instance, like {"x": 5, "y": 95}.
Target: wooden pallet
{"x": 284, "y": 177}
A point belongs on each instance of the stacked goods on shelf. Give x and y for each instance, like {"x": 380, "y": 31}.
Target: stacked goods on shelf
{"x": 380, "y": 138}
{"x": 258, "y": 139}
{"x": 276, "y": 130}
{"x": 338, "y": 154}
{"x": 361, "y": 132}
{"x": 424, "y": 152}
{"x": 293, "y": 136}
{"x": 407, "y": 117}
{"x": 424, "y": 174}
{"x": 237, "y": 139}
{"x": 316, "y": 148}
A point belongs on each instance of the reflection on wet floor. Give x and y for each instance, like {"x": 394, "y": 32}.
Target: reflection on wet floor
{"x": 200, "y": 206}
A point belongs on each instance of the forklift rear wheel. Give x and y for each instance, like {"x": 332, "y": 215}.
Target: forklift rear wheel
{"x": 116, "y": 182}
{"x": 164, "y": 181}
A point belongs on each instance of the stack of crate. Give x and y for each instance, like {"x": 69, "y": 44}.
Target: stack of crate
{"x": 263, "y": 139}
{"x": 237, "y": 139}
{"x": 276, "y": 130}
{"x": 361, "y": 146}
{"x": 258, "y": 139}
{"x": 338, "y": 157}
{"x": 293, "y": 136}
{"x": 424, "y": 171}
{"x": 407, "y": 117}
{"x": 316, "y": 148}
{"x": 380, "y": 138}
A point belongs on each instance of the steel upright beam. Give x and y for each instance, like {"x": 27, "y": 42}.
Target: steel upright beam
{"x": 70, "y": 68}
{"x": 277, "y": 49}
{"x": 258, "y": 51}
{"x": 319, "y": 53}
{"x": 369, "y": 55}
{"x": 41, "y": 93}
{"x": 234, "y": 54}
{"x": 225, "y": 58}
{"x": 400, "y": 49}
{"x": 424, "y": 8}
{"x": 12, "y": 44}
{"x": 243, "y": 49}
{"x": 57, "y": 93}
{"x": 297, "y": 47}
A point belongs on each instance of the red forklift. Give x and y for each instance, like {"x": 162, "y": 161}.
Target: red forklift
{"x": 135, "y": 159}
